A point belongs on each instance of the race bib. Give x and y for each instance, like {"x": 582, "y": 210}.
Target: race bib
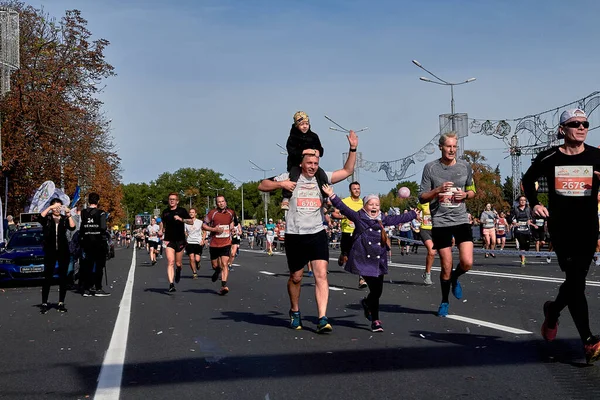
{"x": 574, "y": 180}
{"x": 308, "y": 200}
{"x": 426, "y": 220}
{"x": 446, "y": 199}
{"x": 523, "y": 226}
{"x": 501, "y": 228}
{"x": 350, "y": 224}
{"x": 225, "y": 233}
{"x": 539, "y": 222}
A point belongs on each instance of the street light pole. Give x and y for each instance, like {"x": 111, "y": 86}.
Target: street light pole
{"x": 442, "y": 82}
{"x": 264, "y": 171}
{"x": 241, "y": 186}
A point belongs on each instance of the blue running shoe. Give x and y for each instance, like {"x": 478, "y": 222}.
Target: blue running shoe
{"x": 457, "y": 290}
{"x": 310, "y": 274}
{"x": 295, "y": 320}
{"x": 443, "y": 310}
{"x": 324, "y": 326}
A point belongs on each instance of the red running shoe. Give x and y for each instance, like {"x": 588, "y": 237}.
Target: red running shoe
{"x": 549, "y": 334}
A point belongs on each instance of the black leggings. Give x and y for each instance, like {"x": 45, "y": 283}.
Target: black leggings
{"x": 576, "y": 264}
{"x": 63, "y": 266}
{"x": 375, "y": 284}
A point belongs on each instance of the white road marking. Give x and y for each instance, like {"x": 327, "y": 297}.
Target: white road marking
{"x": 109, "y": 381}
{"x": 497, "y": 274}
{"x": 474, "y": 272}
{"x": 489, "y": 325}
{"x": 267, "y": 273}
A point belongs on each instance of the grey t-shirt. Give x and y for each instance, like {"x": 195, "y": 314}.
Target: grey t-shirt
{"x": 445, "y": 211}
{"x": 305, "y": 215}
{"x": 487, "y": 219}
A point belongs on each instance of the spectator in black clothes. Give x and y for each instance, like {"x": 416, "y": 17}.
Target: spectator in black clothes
{"x": 56, "y": 249}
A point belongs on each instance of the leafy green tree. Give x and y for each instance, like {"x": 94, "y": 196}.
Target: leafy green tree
{"x": 487, "y": 184}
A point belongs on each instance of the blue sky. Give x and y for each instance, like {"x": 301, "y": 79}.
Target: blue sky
{"x": 215, "y": 83}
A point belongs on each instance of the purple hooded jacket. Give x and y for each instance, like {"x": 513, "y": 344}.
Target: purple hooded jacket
{"x": 368, "y": 255}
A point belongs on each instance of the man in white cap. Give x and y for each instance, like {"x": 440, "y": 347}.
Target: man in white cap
{"x": 572, "y": 173}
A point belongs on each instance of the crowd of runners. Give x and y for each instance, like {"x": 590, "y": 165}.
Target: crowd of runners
{"x": 439, "y": 222}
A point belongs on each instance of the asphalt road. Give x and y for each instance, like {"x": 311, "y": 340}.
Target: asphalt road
{"x": 194, "y": 343}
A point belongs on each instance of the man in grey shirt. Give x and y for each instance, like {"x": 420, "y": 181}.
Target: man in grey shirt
{"x": 446, "y": 184}
{"x": 305, "y": 236}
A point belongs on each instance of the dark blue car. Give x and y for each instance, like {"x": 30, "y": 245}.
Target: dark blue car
{"x": 23, "y": 257}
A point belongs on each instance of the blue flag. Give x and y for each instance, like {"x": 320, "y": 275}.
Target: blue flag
{"x": 76, "y": 197}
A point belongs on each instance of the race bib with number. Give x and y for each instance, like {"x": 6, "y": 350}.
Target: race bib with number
{"x": 446, "y": 199}
{"x": 523, "y": 226}
{"x": 573, "y": 180}
{"x": 539, "y": 222}
{"x": 225, "y": 233}
{"x": 426, "y": 220}
{"x": 308, "y": 200}
{"x": 501, "y": 228}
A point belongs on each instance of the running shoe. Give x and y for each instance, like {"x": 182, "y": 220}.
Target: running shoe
{"x": 194, "y": 276}
{"x": 362, "y": 283}
{"x": 487, "y": 255}
{"x": 223, "y": 291}
{"x": 443, "y": 310}
{"x": 493, "y": 255}
{"x": 523, "y": 261}
{"x": 342, "y": 260}
{"x": 324, "y": 326}
{"x": 215, "y": 274}
{"x": 101, "y": 293}
{"x": 61, "y": 308}
{"x": 365, "y": 307}
{"x": 172, "y": 288}
{"x": 87, "y": 293}
{"x": 592, "y": 349}
{"x": 153, "y": 262}
{"x": 44, "y": 308}
{"x": 548, "y": 260}
{"x": 427, "y": 279}
{"x": 549, "y": 334}
{"x": 376, "y": 326}
{"x": 285, "y": 204}
{"x": 177, "y": 274}
{"x": 310, "y": 274}
{"x": 295, "y": 320}
{"x": 457, "y": 289}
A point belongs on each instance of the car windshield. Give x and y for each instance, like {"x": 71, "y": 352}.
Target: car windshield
{"x": 25, "y": 238}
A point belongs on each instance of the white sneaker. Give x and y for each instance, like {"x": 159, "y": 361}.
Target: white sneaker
{"x": 548, "y": 260}
{"x": 427, "y": 279}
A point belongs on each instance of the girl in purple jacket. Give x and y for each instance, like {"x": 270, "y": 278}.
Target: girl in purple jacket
{"x": 368, "y": 255}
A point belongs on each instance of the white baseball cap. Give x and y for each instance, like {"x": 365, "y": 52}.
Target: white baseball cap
{"x": 572, "y": 113}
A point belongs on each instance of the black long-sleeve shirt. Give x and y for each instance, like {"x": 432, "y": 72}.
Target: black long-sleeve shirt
{"x": 572, "y": 190}
{"x": 298, "y": 142}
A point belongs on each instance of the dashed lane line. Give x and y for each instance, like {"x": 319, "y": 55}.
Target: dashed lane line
{"x": 491, "y": 325}
{"x": 472, "y": 272}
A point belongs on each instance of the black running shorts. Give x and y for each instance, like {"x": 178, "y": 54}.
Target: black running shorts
{"x": 152, "y": 244}
{"x": 177, "y": 245}
{"x": 524, "y": 240}
{"x": 216, "y": 252}
{"x": 300, "y": 249}
{"x": 442, "y": 236}
{"x": 346, "y": 243}
{"x": 193, "y": 248}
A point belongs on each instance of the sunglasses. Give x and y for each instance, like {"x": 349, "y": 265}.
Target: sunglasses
{"x": 577, "y": 124}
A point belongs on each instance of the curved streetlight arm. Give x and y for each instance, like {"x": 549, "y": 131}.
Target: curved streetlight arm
{"x": 418, "y": 64}
{"x": 424, "y": 79}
